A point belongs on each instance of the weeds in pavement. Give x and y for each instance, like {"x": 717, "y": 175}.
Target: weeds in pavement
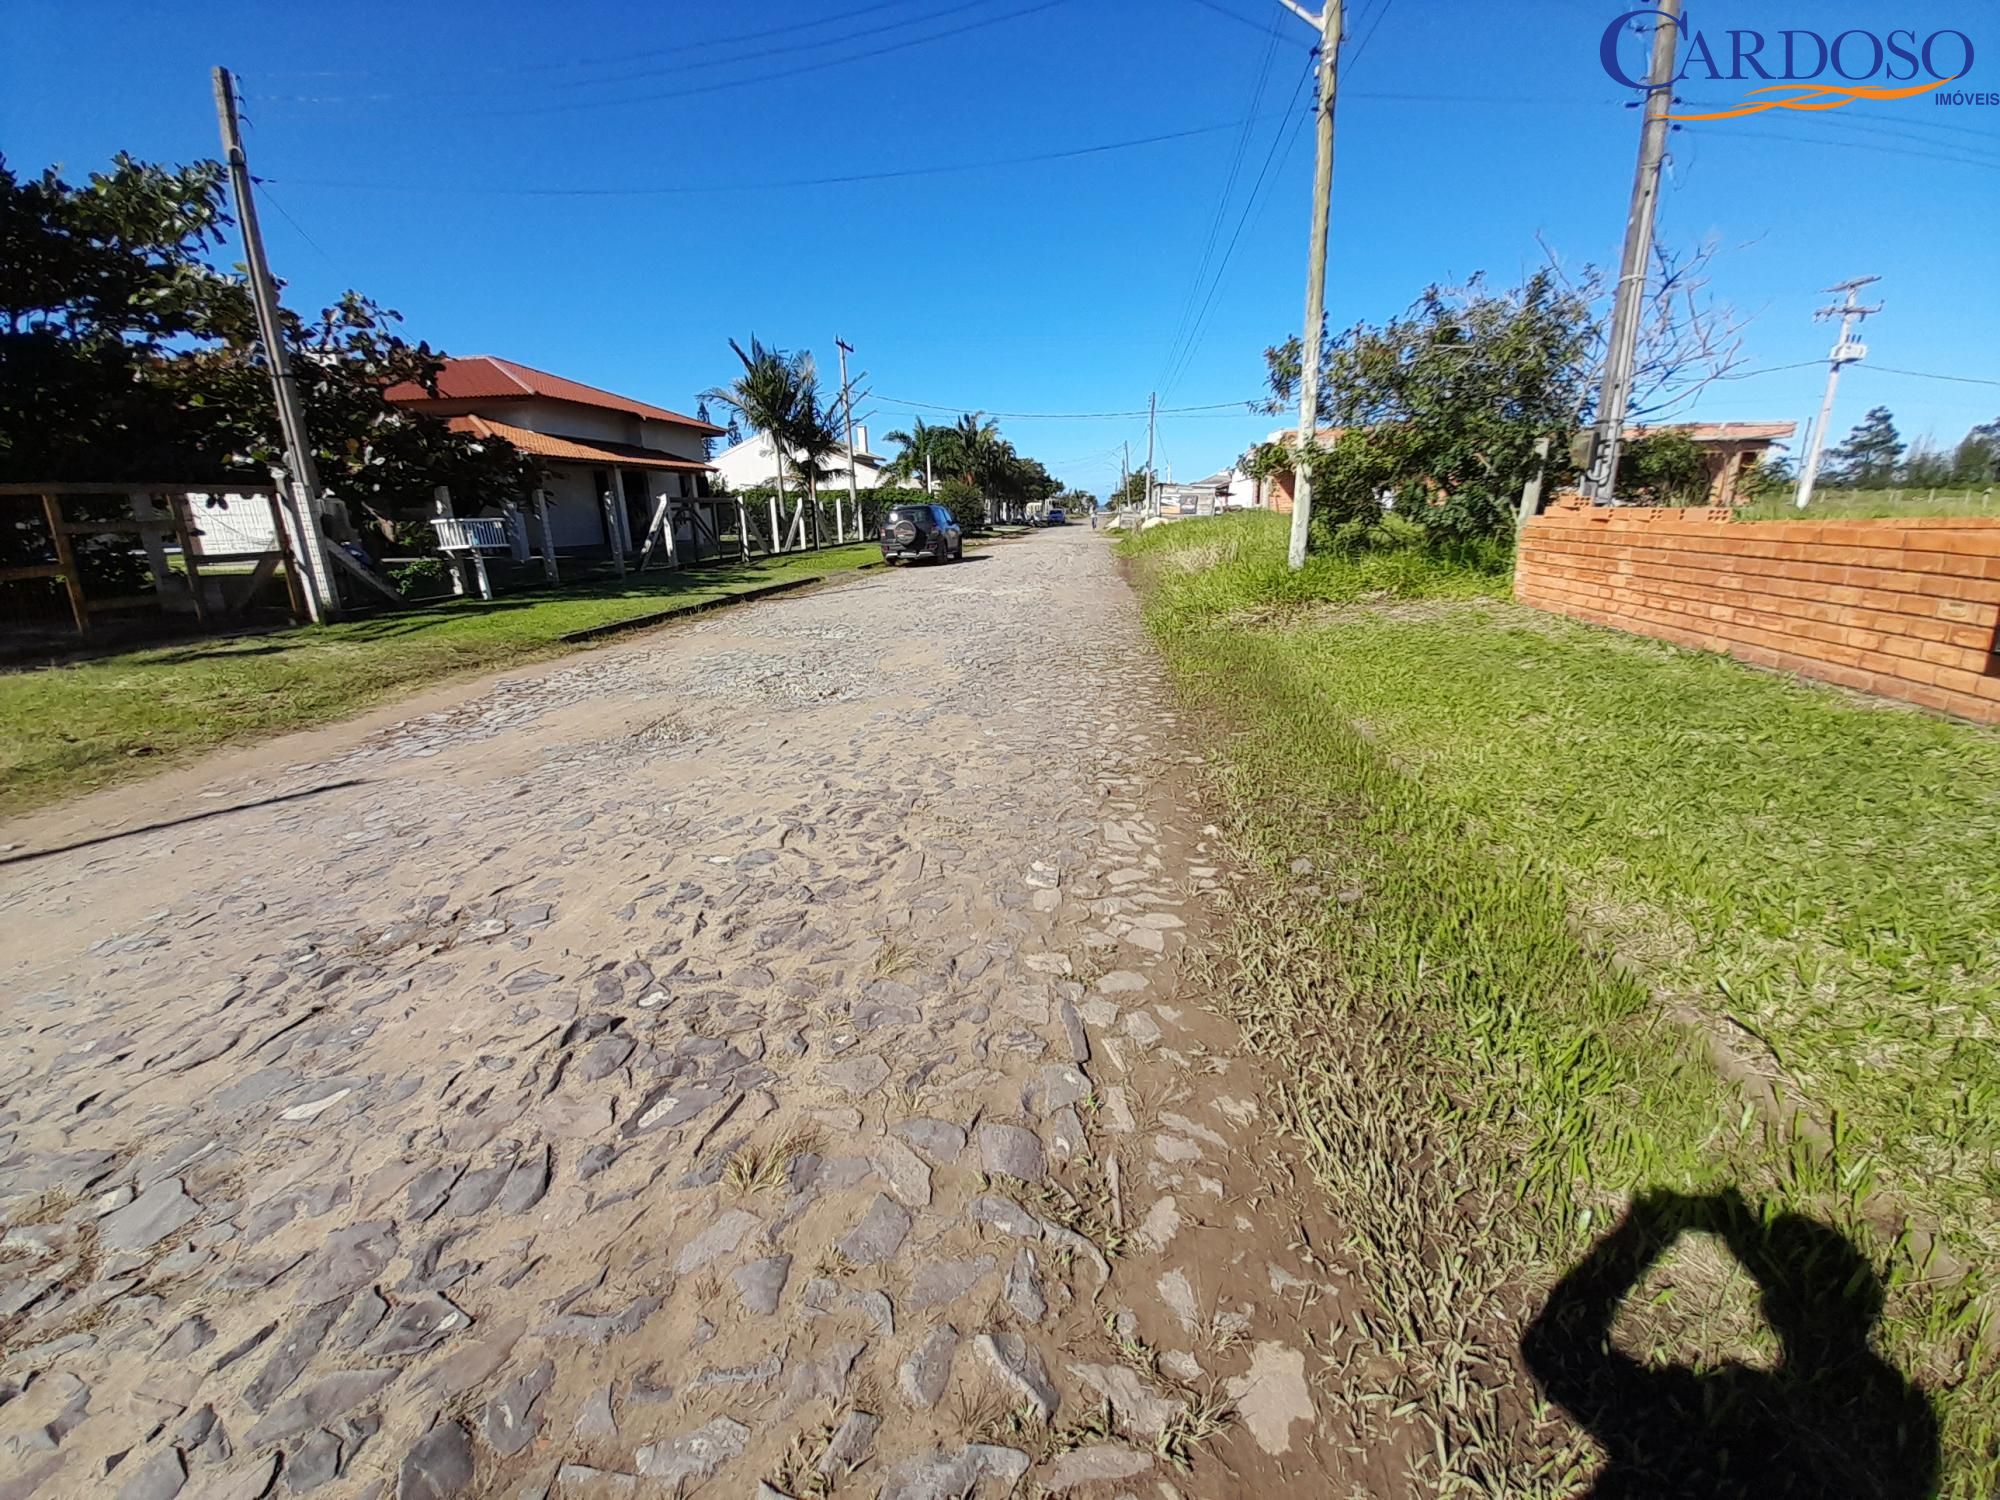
{"x": 766, "y": 1169}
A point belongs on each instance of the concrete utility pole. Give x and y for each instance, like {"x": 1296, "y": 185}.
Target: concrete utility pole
{"x": 853, "y": 492}
{"x": 1329, "y": 22}
{"x": 1600, "y": 479}
{"x": 309, "y": 545}
{"x": 1846, "y": 351}
{"x": 1152, "y": 401}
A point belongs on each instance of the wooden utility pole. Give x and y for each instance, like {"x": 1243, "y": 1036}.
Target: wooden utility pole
{"x": 322, "y": 597}
{"x": 1329, "y": 22}
{"x": 1124, "y": 471}
{"x": 853, "y": 489}
{"x": 1600, "y": 478}
{"x": 1152, "y": 402}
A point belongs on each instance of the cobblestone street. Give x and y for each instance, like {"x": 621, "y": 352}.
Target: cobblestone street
{"x": 754, "y": 1054}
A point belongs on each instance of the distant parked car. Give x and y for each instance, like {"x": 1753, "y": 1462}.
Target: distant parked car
{"x": 913, "y": 531}
{"x": 1058, "y": 516}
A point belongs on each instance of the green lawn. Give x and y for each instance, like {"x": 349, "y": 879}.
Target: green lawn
{"x": 1854, "y": 505}
{"x": 66, "y": 729}
{"x": 1556, "y": 858}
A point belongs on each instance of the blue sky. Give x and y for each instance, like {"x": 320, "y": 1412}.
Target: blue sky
{"x": 398, "y": 140}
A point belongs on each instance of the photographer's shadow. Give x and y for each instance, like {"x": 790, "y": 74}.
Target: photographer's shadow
{"x": 1833, "y": 1418}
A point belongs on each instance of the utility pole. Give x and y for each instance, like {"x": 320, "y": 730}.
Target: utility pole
{"x": 1152, "y": 400}
{"x": 1600, "y": 479}
{"x": 309, "y": 545}
{"x": 853, "y": 493}
{"x": 1846, "y": 351}
{"x": 1329, "y": 23}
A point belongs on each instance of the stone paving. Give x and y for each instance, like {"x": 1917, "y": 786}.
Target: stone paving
{"x": 747, "y": 1060}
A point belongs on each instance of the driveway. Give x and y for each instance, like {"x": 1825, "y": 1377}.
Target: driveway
{"x": 754, "y": 1053}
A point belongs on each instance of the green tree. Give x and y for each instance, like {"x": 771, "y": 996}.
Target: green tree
{"x": 1132, "y": 491}
{"x": 1867, "y": 460}
{"x": 1441, "y": 408}
{"x": 814, "y": 438}
{"x": 1663, "y": 467}
{"x": 918, "y": 443}
{"x": 124, "y": 354}
{"x": 1976, "y": 460}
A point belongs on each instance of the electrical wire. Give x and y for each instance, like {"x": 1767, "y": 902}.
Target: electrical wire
{"x": 1223, "y": 10}
{"x": 757, "y": 187}
{"x": 1245, "y": 407}
{"x": 1362, "y": 46}
{"x": 760, "y": 80}
{"x": 1932, "y": 375}
{"x": 790, "y": 29}
{"x": 1283, "y": 137}
{"x": 1230, "y": 179}
{"x": 698, "y": 65}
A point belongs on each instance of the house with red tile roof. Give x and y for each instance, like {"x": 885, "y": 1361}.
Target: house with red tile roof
{"x": 608, "y": 460}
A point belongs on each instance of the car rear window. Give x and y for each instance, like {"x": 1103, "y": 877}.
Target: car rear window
{"x": 910, "y": 513}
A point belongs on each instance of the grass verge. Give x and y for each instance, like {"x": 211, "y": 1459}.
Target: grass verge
{"x": 1861, "y": 505}
{"x": 69, "y": 729}
{"x": 1524, "y": 877}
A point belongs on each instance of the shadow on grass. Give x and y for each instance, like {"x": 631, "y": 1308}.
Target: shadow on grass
{"x": 1832, "y": 1418}
{"x": 214, "y": 812}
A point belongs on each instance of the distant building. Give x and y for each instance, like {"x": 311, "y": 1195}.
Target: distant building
{"x": 1227, "y": 489}
{"x": 1730, "y": 449}
{"x": 591, "y": 443}
{"x": 754, "y": 461}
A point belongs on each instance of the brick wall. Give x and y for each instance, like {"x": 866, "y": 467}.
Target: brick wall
{"x": 1907, "y": 609}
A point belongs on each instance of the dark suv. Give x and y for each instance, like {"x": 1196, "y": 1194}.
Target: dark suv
{"x": 911, "y": 531}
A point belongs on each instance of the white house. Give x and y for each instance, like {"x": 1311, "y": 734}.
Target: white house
{"x": 754, "y": 461}
{"x": 592, "y": 443}
{"x": 1229, "y": 489}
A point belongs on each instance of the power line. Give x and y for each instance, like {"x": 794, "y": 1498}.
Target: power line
{"x": 697, "y": 65}
{"x": 1247, "y": 407}
{"x": 763, "y": 78}
{"x": 624, "y": 57}
{"x": 285, "y": 213}
{"x": 1283, "y": 137}
{"x": 1932, "y": 375}
{"x": 753, "y": 187}
{"x": 1374, "y": 26}
{"x": 1221, "y": 203}
{"x": 1776, "y": 135}
{"x": 1223, "y": 10}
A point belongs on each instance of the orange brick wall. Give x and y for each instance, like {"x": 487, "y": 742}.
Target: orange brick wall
{"x": 1905, "y": 609}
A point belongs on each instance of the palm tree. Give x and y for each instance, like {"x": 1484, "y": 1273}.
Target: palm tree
{"x": 767, "y": 396}
{"x": 980, "y": 454}
{"x": 922, "y": 450}
{"x": 815, "y": 439}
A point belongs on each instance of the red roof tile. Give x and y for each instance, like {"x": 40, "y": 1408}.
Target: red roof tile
{"x": 486, "y": 377}
{"x": 583, "y": 450}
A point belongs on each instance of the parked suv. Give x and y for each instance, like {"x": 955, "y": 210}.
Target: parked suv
{"x": 912, "y": 531}
{"x": 1058, "y": 516}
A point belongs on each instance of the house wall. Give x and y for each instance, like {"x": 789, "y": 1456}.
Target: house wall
{"x": 754, "y": 461}
{"x": 1905, "y": 609}
{"x": 576, "y": 514}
